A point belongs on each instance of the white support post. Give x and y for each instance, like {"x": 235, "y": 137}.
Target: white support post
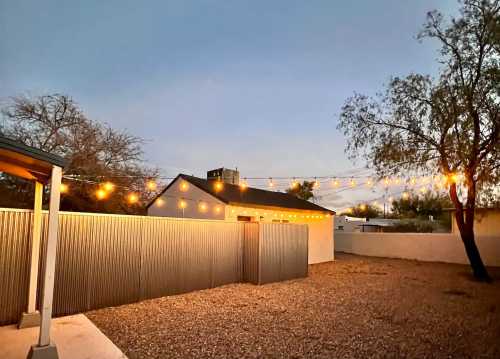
{"x": 50, "y": 257}
{"x": 35, "y": 246}
{"x": 31, "y": 318}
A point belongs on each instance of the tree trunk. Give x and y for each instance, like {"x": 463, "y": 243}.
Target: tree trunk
{"x": 478, "y": 268}
{"x": 465, "y": 224}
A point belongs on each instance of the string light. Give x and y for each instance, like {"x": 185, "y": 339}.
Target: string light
{"x": 387, "y": 182}
{"x": 218, "y": 186}
{"x": 413, "y": 181}
{"x": 101, "y": 194}
{"x": 352, "y": 183}
{"x": 243, "y": 185}
{"x": 362, "y": 207}
{"x": 271, "y": 183}
{"x": 151, "y": 185}
{"x": 184, "y": 186}
{"x": 202, "y": 206}
{"x": 182, "y": 204}
{"x": 335, "y": 183}
{"x": 369, "y": 182}
{"x": 63, "y": 188}
{"x": 217, "y": 209}
{"x": 397, "y": 181}
{"x": 423, "y": 190}
{"x": 405, "y": 195}
{"x": 132, "y": 198}
{"x": 295, "y": 184}
{"x": 108, "y": 186}
{"x": 159, "y": 202}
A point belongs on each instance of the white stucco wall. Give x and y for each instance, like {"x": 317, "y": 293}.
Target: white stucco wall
{"x": 432, "y": 247}
{"x": 486, "y": 223}
{"x": 193, "y": 196}
{"x": 321, "y": 240}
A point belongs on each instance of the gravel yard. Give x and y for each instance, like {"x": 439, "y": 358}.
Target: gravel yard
{"x": 356, "y": 307}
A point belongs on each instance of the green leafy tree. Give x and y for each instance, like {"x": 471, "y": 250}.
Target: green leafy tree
{"x": 449, "y": 124}
{"x": 364, "y": 211}
{"x": 302, "y": 190}
{"x": 430, "y": 204}
{"x": 95, "y": 153}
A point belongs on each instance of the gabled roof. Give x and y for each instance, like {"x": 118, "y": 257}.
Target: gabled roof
{"x": 232, "y": 194}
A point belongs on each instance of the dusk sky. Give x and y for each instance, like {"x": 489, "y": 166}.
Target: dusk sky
{"x": 253, "y": 84}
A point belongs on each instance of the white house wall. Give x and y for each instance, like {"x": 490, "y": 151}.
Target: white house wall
{"x": 320, "y": 226}
{"x": 194, "y": 198}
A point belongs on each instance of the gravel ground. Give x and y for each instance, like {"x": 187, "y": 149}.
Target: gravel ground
{"x": 356, "y": 307}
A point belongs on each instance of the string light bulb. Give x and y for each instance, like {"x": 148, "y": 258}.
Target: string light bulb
{"x": 202, "y": 206}
{"x": 271, "y": 183}
{"x": 151, "y": 185}
{"x": 108, "y": 186}
{"x": 387, "y": 182}
{"x": 362, "y": 207}
{"x": 63, "y": 188}
{"x": 352, "y": 183}
{"x": 184, "y": 186}
{"x": 101, "y": 194}
{"x": 182, "y": 204}
{"x": 405, "y": 195}
{"x": 160, "y": 202}
{"x": 316, "y": 183}
{"x": 335, "y": 183}
{"x": 217, "y": 209}
{"x": 243, "y": 184}
{"x": 132, "y": 198}
{"x": 413, "y": 181}
{"x": 369, "y": 182}
{"x": 218, "y": 185}
{"x": 295, "y": 184}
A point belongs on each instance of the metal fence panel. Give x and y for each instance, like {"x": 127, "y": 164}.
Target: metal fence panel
{"x": 283, "y": 252}
{"x": 107, "y": 260}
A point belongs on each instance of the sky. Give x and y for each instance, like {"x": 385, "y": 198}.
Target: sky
{"x": 256, "y": 85}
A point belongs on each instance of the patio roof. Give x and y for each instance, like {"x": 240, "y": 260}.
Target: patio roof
{"x": 27, "y": 162}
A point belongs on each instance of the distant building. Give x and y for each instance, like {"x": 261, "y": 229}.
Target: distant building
{"x": 356, "y": 224}
{"x": 486, "y": 222}
{"x": 220, "y": 197}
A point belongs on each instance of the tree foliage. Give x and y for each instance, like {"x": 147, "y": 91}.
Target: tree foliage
{"x": 95, "y": 152}
{"x": 430, "y": 204}
{"x": 449, "y": 124}
{"x": 302, "y": 190}
{"x": 364, "y": 211}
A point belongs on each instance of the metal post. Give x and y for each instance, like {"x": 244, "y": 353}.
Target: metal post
{"x": 31, "y": 318}
{"x": 45, "y": 349}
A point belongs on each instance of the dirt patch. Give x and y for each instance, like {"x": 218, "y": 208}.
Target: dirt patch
{"x": 356, "y": 307}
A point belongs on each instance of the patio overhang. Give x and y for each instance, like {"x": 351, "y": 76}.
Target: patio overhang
{"x": 30, "y": 163}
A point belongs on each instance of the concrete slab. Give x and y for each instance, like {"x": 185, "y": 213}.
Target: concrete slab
{"x": 75, "y": 336}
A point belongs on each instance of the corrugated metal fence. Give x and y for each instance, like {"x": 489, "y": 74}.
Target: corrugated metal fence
{"x": 107, "y": 260}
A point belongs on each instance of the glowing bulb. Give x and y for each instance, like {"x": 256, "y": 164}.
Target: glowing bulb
{"x": 202, "y": 206}
{"x": 233, "y": 211}
{"x": 391, "y": 199}
{"x": 316, "y": 184}
{"x": 63, "y": 188}
{"x": 413, "y": 181}
{"x": 218, "y": 186}
{"x": 369, "y": 183}
{"x": 335, "y": 183}
{"x": 151, "y": 185}
{"x": 132, "y": 198}
{"x": 182, "y": 204}
{"x": 295, "y": 184}
{"x": 387, "y": 182}
{"x": 271, "y": 183}
{"x": 397, "y": 181}
{"x": 243, "y": 185}
{"x": 362, "y": 207}
{"x": 423, "y": 189}
{"x": 405, "y": 195}
{"x": 349, "y": 210}
{"x": 108, "y": 186}
{"x": 184, "y": 186}
{"x": 160, "y": 202}
{"x": 352, "y": 183}
{"x": 101, "y": 194}
{"x": 217, "y": 209}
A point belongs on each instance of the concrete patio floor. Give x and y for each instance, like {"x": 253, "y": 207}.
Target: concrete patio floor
{"x": 76, "y": 337}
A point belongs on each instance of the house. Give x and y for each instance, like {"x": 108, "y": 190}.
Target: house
{"x": 221, "y": 197}
{"x": 486, "y": 222}
{"x": 356, "y": 224}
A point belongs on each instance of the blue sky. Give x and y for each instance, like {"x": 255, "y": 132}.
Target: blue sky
{"x": 253, "y": 84}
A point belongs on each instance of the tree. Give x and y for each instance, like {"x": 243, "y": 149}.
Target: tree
{"x": 448, "y": 124}
{"x": 95, "y": 153}
{"x": 302, "y": 190}
{"x": 364, "y": 211}
{"x": 430, "y": 204}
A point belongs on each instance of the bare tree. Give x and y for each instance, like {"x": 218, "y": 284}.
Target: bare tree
{"x": 95, "y": 152}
